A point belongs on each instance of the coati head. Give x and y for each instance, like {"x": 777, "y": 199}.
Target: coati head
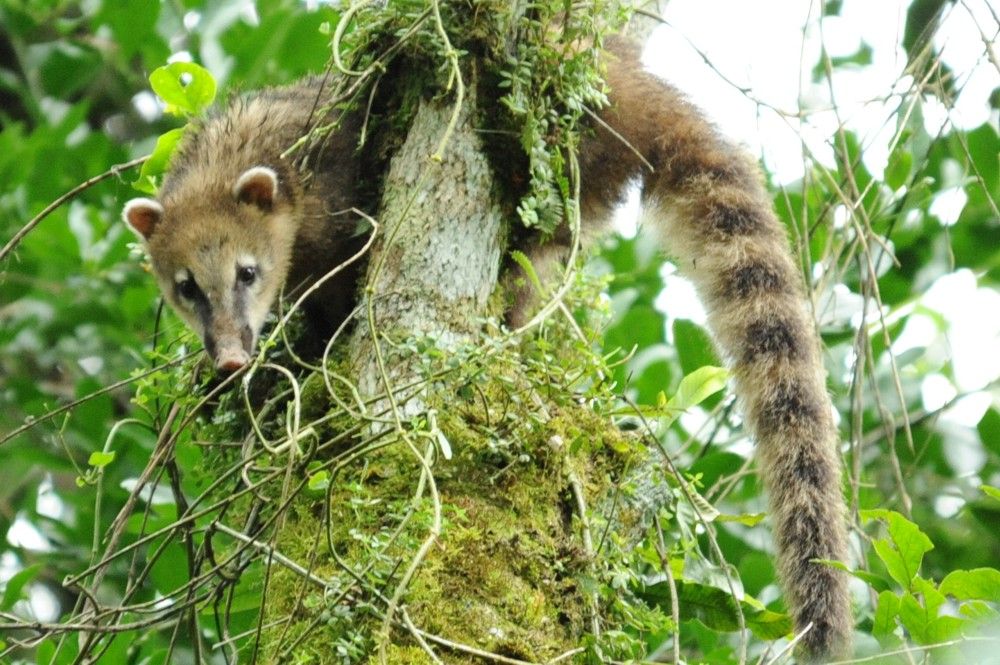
{"x": 220, "y": 252}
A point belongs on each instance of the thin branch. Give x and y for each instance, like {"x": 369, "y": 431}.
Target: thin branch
{"x": 50, "y": 208}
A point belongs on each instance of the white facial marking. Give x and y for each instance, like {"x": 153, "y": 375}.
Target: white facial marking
{"x": 246, "y": 261}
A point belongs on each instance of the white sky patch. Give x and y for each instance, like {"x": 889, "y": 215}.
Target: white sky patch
{"x": 625, "y": 220}
{"x": 964, "y": 452}
{"x": 147, "y": 106}
{"x": 973, "y": 316}
{"x": 158, "y": 496}
{"x": 936, "y": 391}
{"x": 22, "y": 533}
{"x": 180, "y": 56}
{"x": 248, "y": 12}
{"x": 678, "y": 299}
{"x": 841, "y": 307}
{"x": 948, "y": 506}
{"x": 191, "y": 20}
{"x": 763, "y": 46}
{"x": 947, "y": 205}
{"x": 48, "y": 502}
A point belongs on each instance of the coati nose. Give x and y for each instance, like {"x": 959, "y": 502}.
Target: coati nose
{"x": 231, "y": 360}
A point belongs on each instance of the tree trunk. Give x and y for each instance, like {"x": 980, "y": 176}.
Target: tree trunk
{"x": 455, "y": 524}
{"x": 435, "y": 262}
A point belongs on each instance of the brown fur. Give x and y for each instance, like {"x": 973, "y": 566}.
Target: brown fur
{"x": 714, "y": 214}
{"x": 294, "y": 234}
{"x": 716, "y": 218}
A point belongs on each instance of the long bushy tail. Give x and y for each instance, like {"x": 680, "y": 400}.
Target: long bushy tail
{"x": 718, "y": 221}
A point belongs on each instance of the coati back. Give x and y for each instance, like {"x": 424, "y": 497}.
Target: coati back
{"x": 235, "y": 221}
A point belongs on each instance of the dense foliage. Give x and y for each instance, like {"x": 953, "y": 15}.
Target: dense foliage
{"x": 91, "y": 370}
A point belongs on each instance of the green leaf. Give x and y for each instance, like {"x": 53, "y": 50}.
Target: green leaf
{"x": 695, "y": 349}
{"x": 747, "y": 519}
{"x": 903, "y": 551}
{"x": 45, "y": 652}
{"x": 991, "y": 491}
{"x": 976, "y": 584}
{"x": 897, "y": 171}
{"x": 943, "y": 629}
{"x": 989, "y": 430}
{"x": 15, "y": 585}
{"x": 979, "y": 611}
{"x": 921, "y": 20}
{"x": 696, "y": 386}
{"x": 933, "y": 599}
{"x": 914, "y": 617}
{"x": 716, "y": 609}
{"x": 188, "y": 89}
{"x": 884, "y": 621}
{"x": 525, "y": 263}
{"x": 99, "y": 459}
{"x": 158, "y": 161}
{"x": 694, "y": 346}
{"x": 170, "y": 570}
{"x": 707, "y": 511}
{"x": 984, "y": 149}
{"x": 877, "y": 582}
{"x": 319, "y": 481}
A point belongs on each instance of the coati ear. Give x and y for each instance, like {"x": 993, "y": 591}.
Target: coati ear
{"x": 258, "y": 186}
{"x": 142, "y": 215}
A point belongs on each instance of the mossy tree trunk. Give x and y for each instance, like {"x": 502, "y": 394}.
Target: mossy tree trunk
{"x": 427, "y": 557}
{"x": 453, "y": 524}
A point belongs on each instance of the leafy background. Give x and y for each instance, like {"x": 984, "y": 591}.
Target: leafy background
{"x": 78, "y": 314}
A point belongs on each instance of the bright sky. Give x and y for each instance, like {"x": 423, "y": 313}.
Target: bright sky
{"x": 760, "y": 46}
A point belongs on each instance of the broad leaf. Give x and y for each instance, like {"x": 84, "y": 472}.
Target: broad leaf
{"x": 696, "y": 386}
{"x": 716, "y": 609}
{"x": 904, "y": 549}
{"x": 884, "y": 621}
{"x": 188, "y": 89}
{"x": 12, "y": 590}
{"x": 976, "y": 584}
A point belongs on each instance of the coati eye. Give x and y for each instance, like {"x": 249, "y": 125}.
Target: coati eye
{"x": 188, "y": 289}
{"x": 246, "y": 275}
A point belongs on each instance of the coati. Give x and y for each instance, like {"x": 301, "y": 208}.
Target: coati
{"x": 235, "y": 221}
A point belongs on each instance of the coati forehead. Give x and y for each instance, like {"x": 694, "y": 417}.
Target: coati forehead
{"x": 209, "y": 240}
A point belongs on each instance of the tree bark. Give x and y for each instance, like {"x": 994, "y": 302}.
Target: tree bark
{"x": 435, "y": 263}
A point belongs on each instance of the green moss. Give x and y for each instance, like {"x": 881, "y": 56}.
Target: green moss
{"x": 504, "y": 574}
{"x": 405, "y": 655}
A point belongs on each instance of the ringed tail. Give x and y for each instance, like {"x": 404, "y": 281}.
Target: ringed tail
{"x": 717, "y": 219}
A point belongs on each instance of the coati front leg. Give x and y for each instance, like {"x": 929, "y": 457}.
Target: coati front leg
{"x": 715, "y": 217}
